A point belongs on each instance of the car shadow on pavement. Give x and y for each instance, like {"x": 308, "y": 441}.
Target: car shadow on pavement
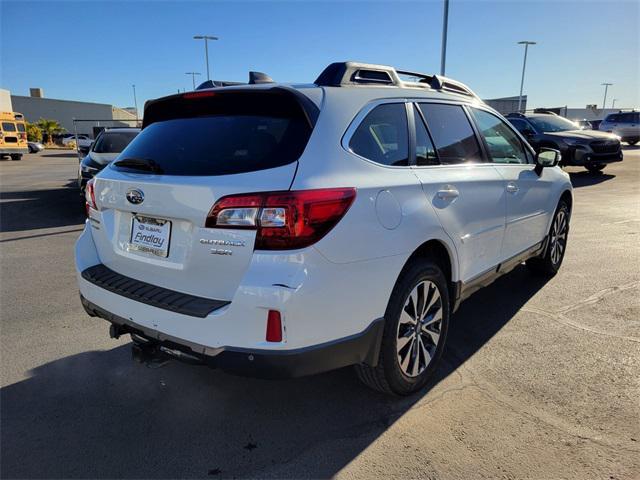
{"x": 586, "y": 179}
{"x": 98, "y": 414}
{"x": 33, "y": 209}
{"x": 71, "y": 154}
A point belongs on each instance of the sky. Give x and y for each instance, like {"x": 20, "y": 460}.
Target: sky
{"x": 95, "y": 50}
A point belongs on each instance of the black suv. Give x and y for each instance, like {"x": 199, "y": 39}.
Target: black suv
{"x": 584, "y": 148}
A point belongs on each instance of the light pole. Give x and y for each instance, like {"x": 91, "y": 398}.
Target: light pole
{"x": 604, "y": 101}
{"x": 445, "y": 23}
{"x": 526, "y": 44}
{"x": 135, "y": 101}
{"x": 193, "y": 77}
{"x": 206, "y": 39}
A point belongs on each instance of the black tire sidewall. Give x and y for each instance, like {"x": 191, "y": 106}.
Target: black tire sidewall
{"x": 419, "y": 271}
{"x": 555, "y": 267}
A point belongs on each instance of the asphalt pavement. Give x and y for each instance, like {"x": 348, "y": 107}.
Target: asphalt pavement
{"x": 540, "y": 379}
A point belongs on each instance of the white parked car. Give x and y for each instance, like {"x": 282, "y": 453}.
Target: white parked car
{"x": 79, "y": 140}
{"x": 277, "y": 230}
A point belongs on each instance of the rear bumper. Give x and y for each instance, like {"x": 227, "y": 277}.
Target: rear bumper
{"x": 363, "y": 347}
{"x": 13, "y": 151}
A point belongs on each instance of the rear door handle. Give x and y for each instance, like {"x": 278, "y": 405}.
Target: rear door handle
{"x": 512, "y": 187}
{"x": 448, "y": 192}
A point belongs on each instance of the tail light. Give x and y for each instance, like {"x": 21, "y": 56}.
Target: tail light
{"x": 90, "y": 197}
{"x": 283, "y": 220}
{"x": 23, "y": 136}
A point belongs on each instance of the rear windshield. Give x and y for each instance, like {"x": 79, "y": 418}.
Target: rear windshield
{"x": 224, "y": 134}
{"x": 113, "y": 142}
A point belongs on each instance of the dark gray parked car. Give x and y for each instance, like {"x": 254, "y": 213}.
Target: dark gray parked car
{"x": 584, "y": 148}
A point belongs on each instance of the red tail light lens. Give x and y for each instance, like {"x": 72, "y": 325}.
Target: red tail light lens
{"x": 90, "y": 196}
{"x": 274, "y": 326}
{"x": 283, "y": 220}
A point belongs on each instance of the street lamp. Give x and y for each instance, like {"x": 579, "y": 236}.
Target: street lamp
{"x": 613, "y": 103}
{"x": 135, "y": 101}
{"x": 526, "y": 44}
{"x": 606, "y": 87}
{"x": 206, "y": 39}
{"x": 445, "y": 23}
{"x": 193, "y": 77}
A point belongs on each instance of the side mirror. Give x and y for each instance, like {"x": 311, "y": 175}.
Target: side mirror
{"x": 546, "y": 157}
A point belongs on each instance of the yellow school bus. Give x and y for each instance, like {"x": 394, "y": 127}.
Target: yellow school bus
{"x": 13, "y": 135}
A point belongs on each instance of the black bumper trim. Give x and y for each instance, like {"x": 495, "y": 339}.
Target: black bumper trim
{"x": 363, "y": 347}
{"x": 143, "y": 292}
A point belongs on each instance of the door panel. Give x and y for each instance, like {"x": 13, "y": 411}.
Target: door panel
{"x": 527, "y": 200}
{"x": 470, "y": 203}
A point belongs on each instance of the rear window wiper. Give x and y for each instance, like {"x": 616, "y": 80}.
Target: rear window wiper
{"x": 139, "y": 164}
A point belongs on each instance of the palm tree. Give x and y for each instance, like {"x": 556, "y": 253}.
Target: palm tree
{"x": 50, "y": 128}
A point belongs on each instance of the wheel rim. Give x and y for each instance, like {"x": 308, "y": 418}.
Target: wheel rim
{"x": 558, "y": 237}
{"x": 419, "y": 328}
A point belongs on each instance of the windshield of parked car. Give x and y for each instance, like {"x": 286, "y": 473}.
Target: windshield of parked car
{"x": 553, "y": 124}
{"x": 113, "y": 142}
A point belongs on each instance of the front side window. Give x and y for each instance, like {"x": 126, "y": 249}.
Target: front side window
{"x": 383, "y": 136}
{"x": 503, "y": 144}
{"x": 521, "y": 125}
{"x": 452, "y": 133}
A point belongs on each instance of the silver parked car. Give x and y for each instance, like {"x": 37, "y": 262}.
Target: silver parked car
{"x": 626, "y": 125}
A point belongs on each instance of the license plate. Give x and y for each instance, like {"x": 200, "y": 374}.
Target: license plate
{"x": 150, "y": 235}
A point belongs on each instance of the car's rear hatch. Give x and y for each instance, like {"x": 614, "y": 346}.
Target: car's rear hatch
{"x": 195, "y": 148}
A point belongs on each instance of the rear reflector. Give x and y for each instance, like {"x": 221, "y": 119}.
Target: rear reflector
{"x": 274, "y": 326}
{"x": 284, "y": 220}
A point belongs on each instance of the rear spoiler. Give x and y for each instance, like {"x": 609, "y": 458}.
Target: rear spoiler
{"x": 161, "y": 108}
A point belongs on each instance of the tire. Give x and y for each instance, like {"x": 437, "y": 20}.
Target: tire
{"x": 596, "y": 168}
{"x": 399, "y": 371}
{"x": 16, "y": 156}
{"x": 549, "y": 263}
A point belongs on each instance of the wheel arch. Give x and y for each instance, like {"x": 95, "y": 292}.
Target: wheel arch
{"x": 439, "y": 251}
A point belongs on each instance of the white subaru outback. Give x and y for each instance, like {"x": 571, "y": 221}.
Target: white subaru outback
{"x": 283, "y": 230}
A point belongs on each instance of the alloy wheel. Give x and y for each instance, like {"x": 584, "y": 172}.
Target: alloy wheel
{"x": 558, "y": 236}
{"x": 419, "y": 328}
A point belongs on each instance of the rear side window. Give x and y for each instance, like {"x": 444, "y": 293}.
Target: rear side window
{"x": 8, "y": 127}
{"x": 221, "y": 134}
{"x": 452, "y": 133}
{"x": 383, "y": 136}
{"x": 628, "y": 117}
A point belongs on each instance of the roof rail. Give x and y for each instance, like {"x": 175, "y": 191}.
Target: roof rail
{"x": 544, "y": 110}
{"x": 342, "y": 74}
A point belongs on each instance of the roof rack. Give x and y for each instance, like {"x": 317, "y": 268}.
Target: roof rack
{"x": 544, "y": 110}
{"x": 341, "y": 74}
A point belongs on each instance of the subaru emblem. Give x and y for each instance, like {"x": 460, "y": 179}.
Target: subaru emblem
{"x": 135, "y": 196}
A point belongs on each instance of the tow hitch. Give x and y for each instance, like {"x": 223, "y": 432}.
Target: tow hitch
{"x": 154, "y": 354}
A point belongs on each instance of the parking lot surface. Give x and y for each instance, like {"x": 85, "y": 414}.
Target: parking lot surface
{"x": 539, "y": 380}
